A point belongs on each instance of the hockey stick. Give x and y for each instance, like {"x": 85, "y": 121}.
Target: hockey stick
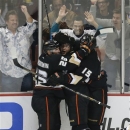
{"x": 20, "y": 66}
{"x": 89, "y": 98}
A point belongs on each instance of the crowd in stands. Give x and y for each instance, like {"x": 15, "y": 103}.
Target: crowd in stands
{"x": 101, "y": 9}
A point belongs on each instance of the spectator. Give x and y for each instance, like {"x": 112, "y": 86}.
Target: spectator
{"x": 127, "y": 11}
{"x": 69, "y": 4}
{"x": 54, "y": 14}
{"x": 104, "y": 10}
{"x": 80, "y": 6}
{"x": 18, "y": 38}
{"x": 2, "y": 21}
{"x": 5, "y": 6}
{"x": 128, "y": 18}
{"x": 110, "y": 7}
{"x": 32, "y": 7}
{"x": 113, "y": 47}
{"x": 117, "y": 4}
{"x": 100, "y": 9}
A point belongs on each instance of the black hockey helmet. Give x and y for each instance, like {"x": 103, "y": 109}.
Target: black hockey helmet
{"x": 86, "y": 38}
{"x": 50, "y": 45}
{"x": 63, "y": 38}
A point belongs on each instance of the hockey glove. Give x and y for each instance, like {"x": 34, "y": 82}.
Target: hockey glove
{"x": 103, "y": 74}
{"x": 88, "y": 43}
{"x": 63, "y": 38}
{"x": 55, "y": 79}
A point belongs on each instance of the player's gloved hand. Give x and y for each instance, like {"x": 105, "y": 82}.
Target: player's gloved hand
{"x": 103, "y": 74}
{"x": 63, "y": 38}
{"x": 55, "y": 79}
{"x": 103, "y": 79}
{"x": 88, "y": 43}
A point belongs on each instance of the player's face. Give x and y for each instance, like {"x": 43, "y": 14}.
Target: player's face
{"x": 78, "y": 27}
{"x": 12, "y": 22}
{"x": 116, "y": 20}
{"x": 65, "y": 48}
{"x": 56, "y": 51}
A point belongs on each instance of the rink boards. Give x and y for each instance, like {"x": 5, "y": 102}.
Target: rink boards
{"x": 16, "y": 112}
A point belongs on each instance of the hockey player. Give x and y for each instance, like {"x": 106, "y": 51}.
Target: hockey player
{"x": 44, "y": 96}
{"x": 46, "y": 99}
{"x": 85, "y": 78}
